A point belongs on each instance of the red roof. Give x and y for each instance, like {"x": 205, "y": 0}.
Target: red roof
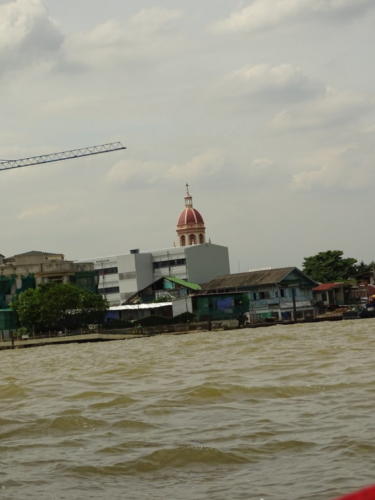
{"x": 190, "y": 216}
{"x": 323, "y": 287}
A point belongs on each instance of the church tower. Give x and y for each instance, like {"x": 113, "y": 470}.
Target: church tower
{"x": 190, "y": 225}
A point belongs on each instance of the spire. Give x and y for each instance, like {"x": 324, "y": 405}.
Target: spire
{"x": 188, "y": 198}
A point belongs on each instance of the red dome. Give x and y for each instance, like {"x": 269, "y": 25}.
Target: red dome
{"x": 189, "y": 216}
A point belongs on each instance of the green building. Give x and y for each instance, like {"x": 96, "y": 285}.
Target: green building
{"x": 220, "y": 306}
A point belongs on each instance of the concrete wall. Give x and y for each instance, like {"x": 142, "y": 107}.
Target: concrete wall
{"x": 181, "y": 306}
{"x": 135, "y": 272}
{"x": 205, "y": 262}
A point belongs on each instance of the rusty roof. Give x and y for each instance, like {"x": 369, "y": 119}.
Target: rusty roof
{"x": 328, "y": 286}
{"x": 250, "y": 279}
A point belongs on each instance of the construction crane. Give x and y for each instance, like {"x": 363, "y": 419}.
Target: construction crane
{"x": 64, "y": 155}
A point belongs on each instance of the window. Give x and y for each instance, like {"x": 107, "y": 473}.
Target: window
{"x": 169, "y": 263}
{"x": 282, "y": 292}
{"x": 264, "y": 295}
{"x": 107, "y": 270}
{"x": 109, "y": 290}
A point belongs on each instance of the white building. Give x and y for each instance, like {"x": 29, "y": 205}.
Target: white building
{"x": 120, "y": 276}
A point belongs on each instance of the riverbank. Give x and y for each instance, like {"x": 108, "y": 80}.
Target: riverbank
{"x": 118, "y": 334}
{"x": 142, "y": 332}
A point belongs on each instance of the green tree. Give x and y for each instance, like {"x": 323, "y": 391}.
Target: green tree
{"x": 28, "y": 308}
{"x": 365, "y": 268}
{"x": 330, "y": 266}
{"x": 59, "y": 306}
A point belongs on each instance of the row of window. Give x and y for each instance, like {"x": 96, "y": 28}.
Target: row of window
{"x": 267, "y": 294}
{"x": 107, "y": 270}
{"x": 132, "y": 274}
{"x": 282, "y": 292}
{"x": 169, "y": 263}
{"x": 108, "y": 290}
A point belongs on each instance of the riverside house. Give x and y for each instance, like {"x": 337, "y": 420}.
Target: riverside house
{"x": 281, "y": 294}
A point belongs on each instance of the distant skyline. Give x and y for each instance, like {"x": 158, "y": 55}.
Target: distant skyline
{"x": 265, "y": 107}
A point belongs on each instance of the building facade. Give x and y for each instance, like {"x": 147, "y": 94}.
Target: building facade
{"x": 44, "y": 266}
{"x": 281, "y": 294}
{"x": 31, "y": 269}
{"x": 121, "y": 276}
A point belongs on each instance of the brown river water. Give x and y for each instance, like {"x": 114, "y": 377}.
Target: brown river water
{"x": 285, "y": 412}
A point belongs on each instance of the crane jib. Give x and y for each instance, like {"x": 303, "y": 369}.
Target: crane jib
{"x": 63, "y": 155}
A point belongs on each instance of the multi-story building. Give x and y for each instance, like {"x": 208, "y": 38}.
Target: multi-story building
{"x": 195, "y": 260}
{"x": 44, "y": 266}
{"x": 31, "y": 269}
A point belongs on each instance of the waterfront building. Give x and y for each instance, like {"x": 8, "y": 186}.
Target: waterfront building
{"x": 272, "y": 294}
{"x": 30, "y": 269}
{"x": 192, "y": 259}
{"x": 332, "y": 295}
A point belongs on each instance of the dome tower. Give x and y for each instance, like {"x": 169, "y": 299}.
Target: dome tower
{"x": 190, "y": 225}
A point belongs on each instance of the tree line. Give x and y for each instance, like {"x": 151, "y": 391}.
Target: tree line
{"x": 331, "y": 266}
{"x": 58, "y": 307}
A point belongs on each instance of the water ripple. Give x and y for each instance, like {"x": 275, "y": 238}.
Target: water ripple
{"x": 278, "y": 413}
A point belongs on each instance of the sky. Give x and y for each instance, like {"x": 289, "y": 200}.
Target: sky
{"x": 265, "y": 107}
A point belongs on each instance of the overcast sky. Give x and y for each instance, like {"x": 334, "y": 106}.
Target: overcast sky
{"x": 266, "y": 107}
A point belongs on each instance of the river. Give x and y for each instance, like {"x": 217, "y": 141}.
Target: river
{"x": 285, "y": 412}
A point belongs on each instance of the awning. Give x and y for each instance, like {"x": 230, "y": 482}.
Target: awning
{"x": 137, "y": 307}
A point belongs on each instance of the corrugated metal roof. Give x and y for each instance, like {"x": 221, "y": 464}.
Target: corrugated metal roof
{"x": 250, "y": 279}
{"x": 323, "y": 287}
{"x": 186, "y": 284}
{"x": 35, "y": 252}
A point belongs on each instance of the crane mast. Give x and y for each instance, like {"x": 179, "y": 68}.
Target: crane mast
{"x": 64, "y": 155}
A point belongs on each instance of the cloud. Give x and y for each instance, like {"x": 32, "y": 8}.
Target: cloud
{"x": 296, "y": 101}
{"x": 208, "y": 165}
{"x": 332, "y": 107}
{"x": 345, "y": 169}
{"x": 135, "y": 174}
{"x": 211, "y": 169}
{"x": 283, "y": 82}
{"x": 27, "y": 34}
{"x": 147, "y": 33}
{"x": 262, "y": 14}
{"x": 38, "y": 211}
